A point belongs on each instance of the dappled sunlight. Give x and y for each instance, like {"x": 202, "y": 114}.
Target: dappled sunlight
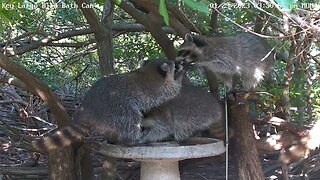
{"x": 258, "y": 74}
{"x": 46, "y": 40}
{"x": 274, "y": 141}
{"x": 10, "y": 80}
{"x": 238, "y": 69}
{"x": 314, "y": 136}
{"x": 11, "y": 51}
{"x": 5, "y": 146}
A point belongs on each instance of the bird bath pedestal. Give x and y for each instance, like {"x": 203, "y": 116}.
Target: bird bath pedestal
{"x": 160, "y": 160}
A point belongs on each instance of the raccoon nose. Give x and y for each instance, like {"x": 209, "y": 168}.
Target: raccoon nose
{"x": 182, "y": 62}
{"x": 179, "y": 59}
{"x": 179, "y": 73}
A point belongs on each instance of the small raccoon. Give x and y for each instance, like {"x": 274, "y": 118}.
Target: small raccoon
{"x": 244, "y": 57}
{"x": 194, "y": 110}
{"x": 114, "y": 105}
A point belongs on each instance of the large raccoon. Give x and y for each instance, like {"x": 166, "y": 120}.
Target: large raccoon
{"x": 114, "y": 105}
{"x": 194, "y": 110}
{"x": 244, "y": 57}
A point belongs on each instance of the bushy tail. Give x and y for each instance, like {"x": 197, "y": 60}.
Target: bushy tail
{"x": 62, "y": 138}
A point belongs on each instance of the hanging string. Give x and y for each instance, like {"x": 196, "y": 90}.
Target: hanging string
{"x": 226, "y": 130}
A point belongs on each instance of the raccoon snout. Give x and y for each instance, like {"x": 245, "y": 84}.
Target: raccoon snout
{"x": 178, "y": 71}
{"x": 179, "y": 61}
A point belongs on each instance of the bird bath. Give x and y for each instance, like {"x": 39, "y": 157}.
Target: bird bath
{"x": 160, "y": 160}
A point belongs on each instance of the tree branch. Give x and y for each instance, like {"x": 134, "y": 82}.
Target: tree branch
{"x": 15, "y": 82}
{"x": 49, "y": 39}
{"x": 154, "y": 27}
{"x": 182, "y": 18}
{"x": 42, "y": 90}
{"x": 275, "y": 142}
{"x": 294, "y": 129}
{"x": 103, "y": 38}
{"x": 120, "y": 27}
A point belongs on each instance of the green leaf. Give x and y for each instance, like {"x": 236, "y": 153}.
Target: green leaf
{"x": 9, "y": 16}
{"x": 286, "y": 4}
{"x": 163, "y": 11}
{"x": 100, "y": 2}
{"x": 200, "y": 6}
{"x": 117, "y": 2}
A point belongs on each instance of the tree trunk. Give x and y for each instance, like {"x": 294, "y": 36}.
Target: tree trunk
{"x": 104, "y": 40}
{"x": 84, "y": 165}
{"x": 245, "y": 151}
{"x": 285, "y": 100}
{"x": 61, "y": 165}
{"x": 102, "y": 33}
{"x": 214, "y": 18}
{"x": 105, "y": 52}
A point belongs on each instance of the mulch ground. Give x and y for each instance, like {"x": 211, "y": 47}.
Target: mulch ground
{"x": 205, "y": 168}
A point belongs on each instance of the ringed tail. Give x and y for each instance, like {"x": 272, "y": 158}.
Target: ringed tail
{"x": 62, "y": 138}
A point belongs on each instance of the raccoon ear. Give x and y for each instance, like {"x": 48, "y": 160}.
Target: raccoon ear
{"x": 164, "y": 67}
{"x": 143, "y": 62}
{"x": 188, "y": 37}
{"x": 199, "y": 42}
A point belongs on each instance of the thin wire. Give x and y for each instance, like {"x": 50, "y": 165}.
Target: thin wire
{"x": 227, "y": 130}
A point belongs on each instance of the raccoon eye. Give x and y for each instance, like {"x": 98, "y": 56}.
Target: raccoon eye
{"x": 180, "y": 53}
{"x": 193, "y": 56}
{"x": 183, "y": 53}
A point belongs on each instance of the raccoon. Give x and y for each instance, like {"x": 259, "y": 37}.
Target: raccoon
{"x": 194, "y": 110}
{"x": 114, "y": 105}
{"x": 244, "y": 57}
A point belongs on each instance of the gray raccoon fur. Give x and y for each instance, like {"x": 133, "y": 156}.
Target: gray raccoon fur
{"x": 113, "y": 106}
{"x": 194, "y": 110}
{"x": 244, "y": 57}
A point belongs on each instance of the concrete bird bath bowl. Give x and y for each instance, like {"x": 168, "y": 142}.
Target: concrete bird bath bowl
{"x": 160, "y": 160}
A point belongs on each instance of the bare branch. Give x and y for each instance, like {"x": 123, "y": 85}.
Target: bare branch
{"x": 294, "y": 129}
{"x": 46, "y": 40}
{"x": 49, "y": 40}
{"x": 42, "y": 90}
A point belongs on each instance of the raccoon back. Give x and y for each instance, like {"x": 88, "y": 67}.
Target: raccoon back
{"x": 194, "y": 110}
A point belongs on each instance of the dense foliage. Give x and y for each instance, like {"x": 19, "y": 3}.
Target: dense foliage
{"x": 70, "y": 64}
